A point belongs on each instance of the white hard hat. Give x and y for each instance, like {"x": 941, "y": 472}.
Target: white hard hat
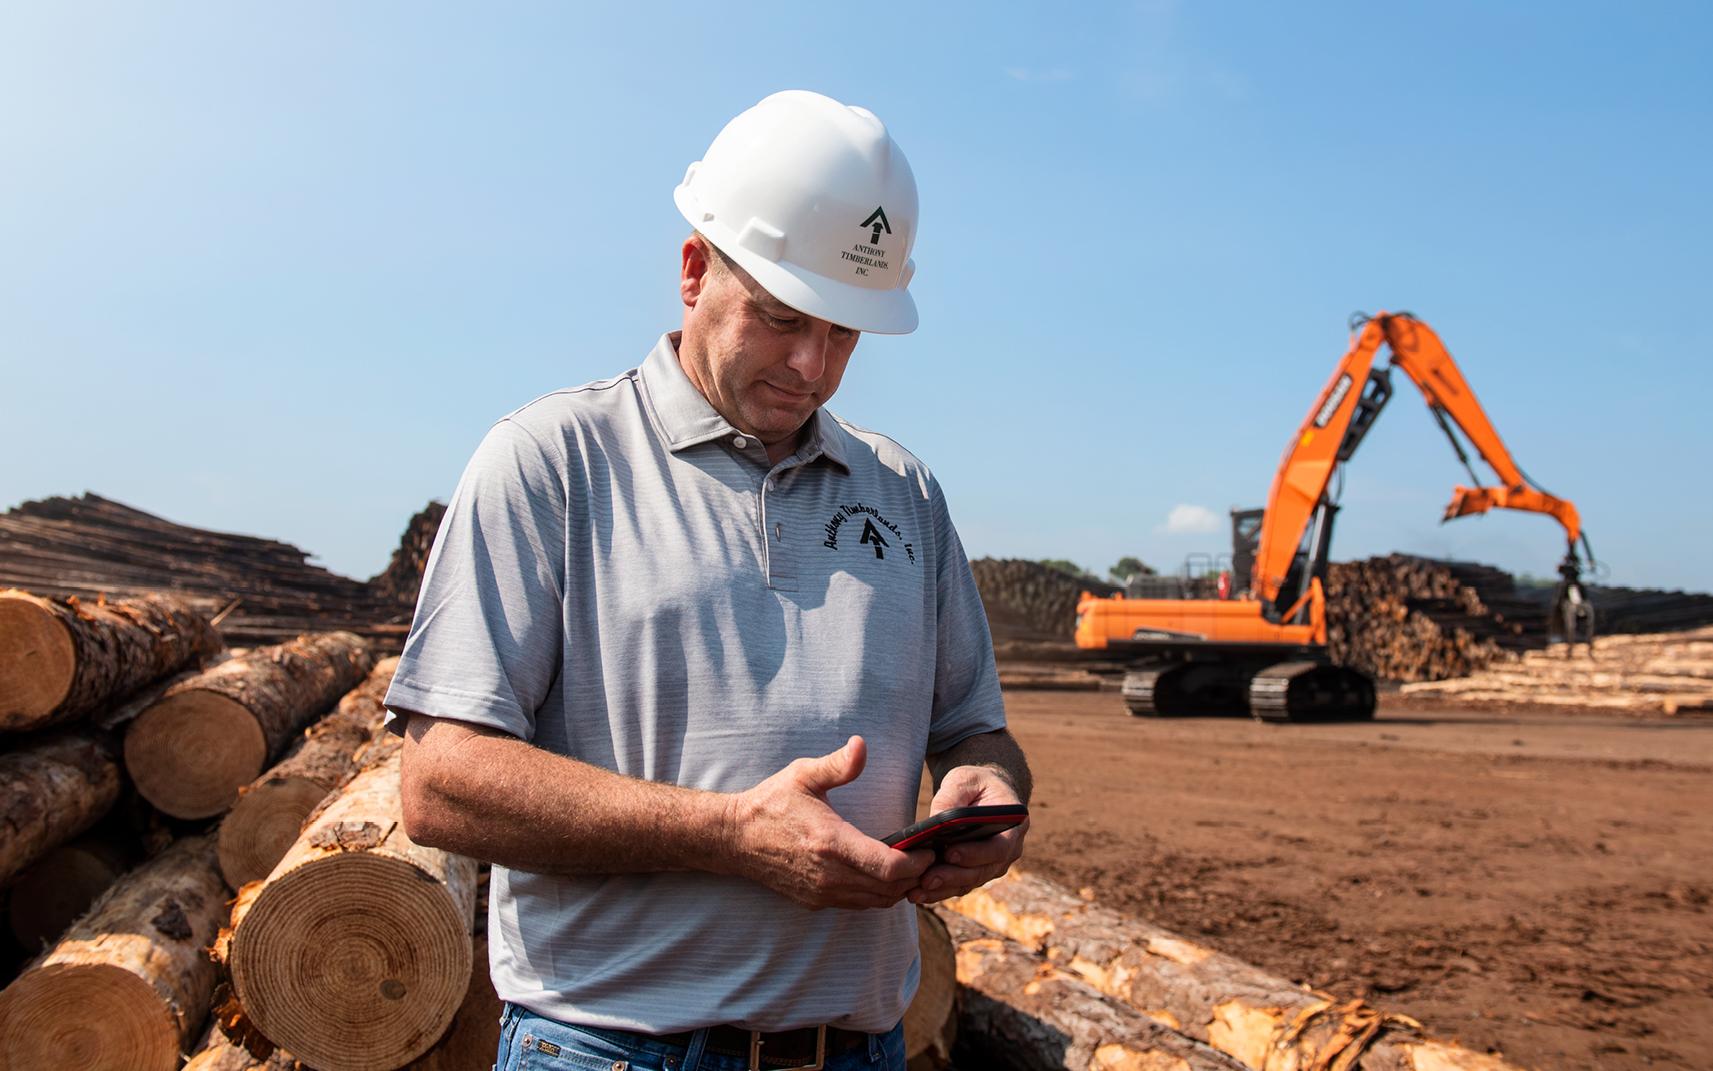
{"x": 816, "y": 201}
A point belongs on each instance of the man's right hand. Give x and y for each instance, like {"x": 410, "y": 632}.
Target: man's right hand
{"x": 783, "y": 834}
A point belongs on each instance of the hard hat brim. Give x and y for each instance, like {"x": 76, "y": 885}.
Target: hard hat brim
{"x": 880, "y": 312}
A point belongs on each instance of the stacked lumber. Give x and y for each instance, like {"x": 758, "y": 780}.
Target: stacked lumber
{"x": 1664, "y": 673}
{"x": 1258, "y": 1021}
{"x": 1034, "y": 596}
{"x": 91, "y": 546}
{"x": 1405, "y": 618}
{"x": 128, "y": 986}
{"x": 207, "y": 737}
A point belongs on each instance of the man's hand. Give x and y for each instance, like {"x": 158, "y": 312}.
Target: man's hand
{"x": 785, "y": 835}
{"x": 980, "y": 771}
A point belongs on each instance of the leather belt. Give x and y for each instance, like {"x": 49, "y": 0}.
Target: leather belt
{"x": 806, "y": 1047}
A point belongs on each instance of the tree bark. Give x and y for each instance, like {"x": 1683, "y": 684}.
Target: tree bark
{"x": 51, "y": 895}
{"x": 50, "y": 792}
{"x": 128, "y": 985}
{"x": 1027, "y": 1013}
{"x": 271, "y": 810}
{"x": 394, "y": 916}
{"x": 209, "y": 736}
{"x": 60, "y": 661}
{"x": 1264, "y": 1022}
{"x": 931, "y": 1021}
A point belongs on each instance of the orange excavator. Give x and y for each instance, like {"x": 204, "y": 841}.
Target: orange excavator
{"x": 1264, "y": 649}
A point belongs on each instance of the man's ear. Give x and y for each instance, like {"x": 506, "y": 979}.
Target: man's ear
{"x": 692, "y": 272}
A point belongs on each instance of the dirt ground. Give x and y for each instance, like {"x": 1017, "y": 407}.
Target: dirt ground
{"x": 1534, "y": 884}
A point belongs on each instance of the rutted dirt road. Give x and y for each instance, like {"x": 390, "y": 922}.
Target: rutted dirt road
{"x": 1532, "y": 884}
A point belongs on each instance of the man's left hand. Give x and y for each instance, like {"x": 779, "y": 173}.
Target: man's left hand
{"x": 972, "y": 864}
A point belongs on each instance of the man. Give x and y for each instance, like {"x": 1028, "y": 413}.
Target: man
{"x": 685, "y": 640}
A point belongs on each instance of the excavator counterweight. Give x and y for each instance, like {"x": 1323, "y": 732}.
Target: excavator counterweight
{"x": 1264, "y": 651}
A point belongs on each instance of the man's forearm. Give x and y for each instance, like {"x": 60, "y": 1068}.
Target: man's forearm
{"x": 496, "y": 798}
{"x": 493, "y": 797}
{"x": 996, "y": 750}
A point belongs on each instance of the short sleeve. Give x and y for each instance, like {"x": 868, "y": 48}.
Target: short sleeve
{"x": 967, "y": 700}
{"x": 486, "y": 642}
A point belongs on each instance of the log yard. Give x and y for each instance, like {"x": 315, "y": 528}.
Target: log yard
{"x": 1500, "y": 866}
{"x": 568, "y": 536}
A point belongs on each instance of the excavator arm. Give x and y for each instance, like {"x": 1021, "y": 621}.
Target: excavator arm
{"x": 1342, "y": 415}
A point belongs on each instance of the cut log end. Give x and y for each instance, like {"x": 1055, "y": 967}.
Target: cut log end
{"x": 263, "y": 824}
{"x": 38, "y": 661}
{"x": 190, "y": 753}
{"x": 86, "y": 1015}
{"x": 931, "y": 1021}
{"x": 383, "y": 984}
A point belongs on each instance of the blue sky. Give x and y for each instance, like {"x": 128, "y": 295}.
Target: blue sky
{"x": 276, "y": 268}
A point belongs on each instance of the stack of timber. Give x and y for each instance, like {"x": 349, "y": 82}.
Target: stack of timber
{"x": 1032, "y": 598}
{"x": 210, "y": 735}
{"x": 128, "y": 986}
{"x": 1638, "y": 610}
{"x": 1667, "y": 673}
{"x": 266, "y": 590}
{"x": 1052, "y": 947}
{"x": 1405, "y": 618}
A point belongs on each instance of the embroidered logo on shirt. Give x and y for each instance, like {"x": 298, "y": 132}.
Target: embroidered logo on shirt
{"x": 875, "y": 529}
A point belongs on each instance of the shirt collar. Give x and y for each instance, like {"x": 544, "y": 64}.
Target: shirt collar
{"x": 686, "y": 419}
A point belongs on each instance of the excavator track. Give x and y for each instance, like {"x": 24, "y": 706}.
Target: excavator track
{"x": 1170, "y": 689}
{"x": 1310, "y": 691}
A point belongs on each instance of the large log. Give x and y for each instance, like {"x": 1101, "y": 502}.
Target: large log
{"x": 1026, "y": 1013}
{"x": 60, "y": 661}
{"x": 128, "y": 985}
{"x": 931, "y": 1021}
{"x": 51, "y": 791}
{"x": 1263, "y": 1021}
{"x": 270, "y": 812}
{"x": 211, "y": 735}
{"x": 51, "y": 895}
{"x": 355, "y": 953}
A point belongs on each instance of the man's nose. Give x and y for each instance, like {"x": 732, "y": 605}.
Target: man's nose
{"x": 809, "y": 355}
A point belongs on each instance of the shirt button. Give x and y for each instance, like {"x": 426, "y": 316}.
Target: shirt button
{"x": 741, "y": 443}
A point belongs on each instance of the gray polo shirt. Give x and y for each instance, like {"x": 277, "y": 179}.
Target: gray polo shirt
{"x": 621, "y": 577}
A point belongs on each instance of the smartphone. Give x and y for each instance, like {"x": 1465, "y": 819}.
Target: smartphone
{"x": 957, "y": 825}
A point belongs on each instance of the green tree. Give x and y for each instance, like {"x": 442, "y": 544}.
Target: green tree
{"x": 1066, "y": 566}
{"x": 1128, "y": 567}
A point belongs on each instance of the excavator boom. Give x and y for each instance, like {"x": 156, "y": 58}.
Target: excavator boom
{"x": 1342, "y": 415}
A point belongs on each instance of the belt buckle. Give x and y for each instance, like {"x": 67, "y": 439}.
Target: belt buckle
{"x": 820, "y": 1052}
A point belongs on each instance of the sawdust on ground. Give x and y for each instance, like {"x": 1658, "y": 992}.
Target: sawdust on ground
{"x": 1531, "y": 884}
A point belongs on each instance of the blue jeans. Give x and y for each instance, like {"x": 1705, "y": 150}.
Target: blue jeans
{"x": 529, "y": 1042}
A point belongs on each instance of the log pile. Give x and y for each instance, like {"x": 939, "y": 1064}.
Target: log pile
{"x": 1667, "y": 673}
{"x": 271, "y": 810}
{"x": 403, "y": 575}
{"x": 1029, "y": 596}
{"x": 269, "y": 592}
{"x": 129, "y": 984}
{"x": 1638, "y": 610}
{"x": 1405, "y": 618}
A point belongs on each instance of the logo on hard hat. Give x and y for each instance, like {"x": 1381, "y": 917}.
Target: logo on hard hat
{"x": 878, "y": 221}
